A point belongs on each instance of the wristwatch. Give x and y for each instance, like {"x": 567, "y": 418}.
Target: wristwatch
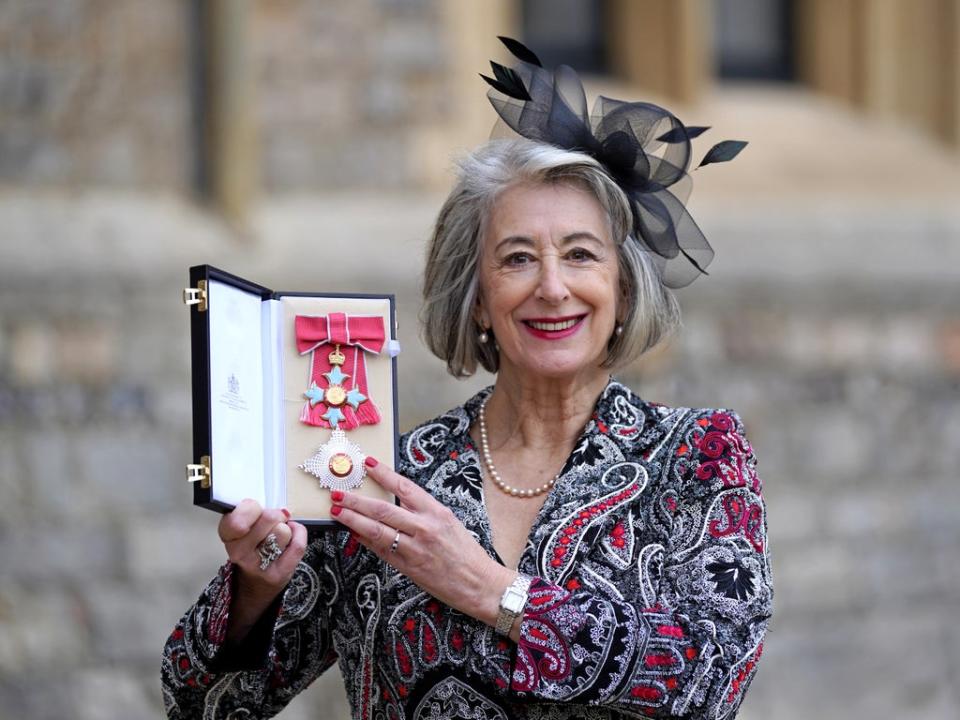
{"x": 512, "y": 602}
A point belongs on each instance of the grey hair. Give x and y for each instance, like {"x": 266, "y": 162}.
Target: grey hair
{"x": 452, "y": 276}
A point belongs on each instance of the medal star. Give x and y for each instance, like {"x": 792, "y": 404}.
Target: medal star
{"x": 333, "y": 416}
{"x": 313, "y": 465}
{"x": 314, "y": 394}
{"x": 355, "y": 397}
{"x": 336, "y": 376}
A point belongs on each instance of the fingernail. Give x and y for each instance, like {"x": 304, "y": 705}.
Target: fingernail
{"x": 370, "y": 461}
{"x": 286, "y": 513}
{"x": 336, "y": 495}
{"x": 335, "y": 510}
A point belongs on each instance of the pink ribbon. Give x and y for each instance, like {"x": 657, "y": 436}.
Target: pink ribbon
{"x": 356, "y": 335}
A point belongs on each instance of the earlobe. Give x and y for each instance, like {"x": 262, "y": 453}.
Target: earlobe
{"x": 480, "y": 318}
{"x": 480, "y": 315}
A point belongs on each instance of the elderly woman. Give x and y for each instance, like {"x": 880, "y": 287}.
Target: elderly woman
{"x": 560, "y": 547}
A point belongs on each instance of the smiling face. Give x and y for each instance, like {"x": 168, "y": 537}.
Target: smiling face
{"x": 549, "y": 281}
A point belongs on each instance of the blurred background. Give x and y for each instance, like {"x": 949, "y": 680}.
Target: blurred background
{"x": 306, "y": 145}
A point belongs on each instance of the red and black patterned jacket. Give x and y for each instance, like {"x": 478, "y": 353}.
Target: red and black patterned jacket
{"x": 651, "y": 596}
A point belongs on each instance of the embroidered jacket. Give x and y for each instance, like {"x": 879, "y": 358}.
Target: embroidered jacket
{"x": 651, "y": 595}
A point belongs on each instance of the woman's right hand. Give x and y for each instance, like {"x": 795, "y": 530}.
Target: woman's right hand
{"x": 241, "y": 531}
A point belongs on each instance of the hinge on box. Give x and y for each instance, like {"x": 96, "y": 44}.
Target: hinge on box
{"x": 196, "y": 296}
{"x": 200, "y": 473}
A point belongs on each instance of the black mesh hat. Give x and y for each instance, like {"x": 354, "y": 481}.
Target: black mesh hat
{"x": 644, "y": 148}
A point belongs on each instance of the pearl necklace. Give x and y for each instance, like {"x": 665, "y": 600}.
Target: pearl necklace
{"x": 495, "y": 476}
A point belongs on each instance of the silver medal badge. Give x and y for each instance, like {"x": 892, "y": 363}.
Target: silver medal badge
{"x": 338, "y": 464}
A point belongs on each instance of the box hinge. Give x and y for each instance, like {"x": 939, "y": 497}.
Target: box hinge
{"x": 196, "y": 296}
{"x": 200, "y": 473}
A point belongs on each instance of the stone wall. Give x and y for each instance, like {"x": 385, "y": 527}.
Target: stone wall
{"x": 350, "y": 127}
{"x": 95, "y": 92}
{"x": 99, "y": 93}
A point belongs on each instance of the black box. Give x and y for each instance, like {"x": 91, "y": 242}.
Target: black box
{"x": 254, "y": 425}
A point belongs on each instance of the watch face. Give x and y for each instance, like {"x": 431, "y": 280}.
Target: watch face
{"x": 513, "y": 602}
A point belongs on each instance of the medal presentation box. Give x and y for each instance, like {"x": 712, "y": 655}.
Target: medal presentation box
{"x": 291, "y": 391}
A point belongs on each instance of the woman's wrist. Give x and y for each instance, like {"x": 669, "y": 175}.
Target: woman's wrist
{"x": 491, "y": 584}
{"x": 248, "y": 604}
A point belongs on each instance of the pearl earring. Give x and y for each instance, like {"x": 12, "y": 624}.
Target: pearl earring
{"x": 483, "y": 337}
{"x": 618, "y": 331}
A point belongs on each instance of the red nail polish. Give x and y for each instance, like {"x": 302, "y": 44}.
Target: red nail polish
{"x": 335, "y": 510}
{"x": 286, "y": 513}
{"x": 370, "y": 462}
{"x": 336, "y": 495}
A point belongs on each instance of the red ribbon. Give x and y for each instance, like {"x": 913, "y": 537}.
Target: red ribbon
{"x": 356, "y": 334}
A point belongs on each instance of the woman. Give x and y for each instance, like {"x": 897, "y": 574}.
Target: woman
{"x": 561, "y": 547}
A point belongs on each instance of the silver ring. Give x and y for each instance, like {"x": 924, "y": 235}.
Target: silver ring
{"x": 269, "y": 550}
{"x": 396, "y": 542}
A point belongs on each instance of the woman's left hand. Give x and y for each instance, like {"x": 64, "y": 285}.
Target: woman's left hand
{"x": 433, "y": 548}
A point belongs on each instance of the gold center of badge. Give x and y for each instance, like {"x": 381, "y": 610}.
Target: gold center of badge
{"x": 341, "y": 465}
{"x": 336, "y": 395}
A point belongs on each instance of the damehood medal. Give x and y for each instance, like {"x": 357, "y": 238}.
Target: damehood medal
{"x": 338, "y": 464}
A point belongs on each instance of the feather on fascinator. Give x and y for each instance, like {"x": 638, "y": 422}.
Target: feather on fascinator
{"x": 644, "y": 148}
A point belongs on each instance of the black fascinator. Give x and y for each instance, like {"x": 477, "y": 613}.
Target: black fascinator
{"x": 643, "y": 147}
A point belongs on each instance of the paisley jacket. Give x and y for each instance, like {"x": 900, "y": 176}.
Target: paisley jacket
{"x": 651, "y": 593}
